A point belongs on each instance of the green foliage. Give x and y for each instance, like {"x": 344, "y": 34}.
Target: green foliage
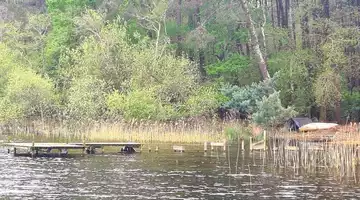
{"x": 204, "y": 101}
{"x": 9, "y": 111}
{"x": 138, "y": 104}
{"x": 237, "y": 70}
{"x": 27, "y": 94}
{"x": 7, "y": 60}
{"x": 244, "y": 99}
{"x": 351, "y": 103}
{"x": 294, "y": 80}
{"x": 271, "y": 113}
{"x": 327, "y": 89}
{"x": 86, "y": 98}
{"x": 80, "y": 50}
{"x": 173, "y": 29}
{"x": 61, "y": 35}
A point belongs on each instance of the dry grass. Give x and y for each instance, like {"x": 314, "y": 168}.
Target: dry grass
{"x": 137, "y": 131}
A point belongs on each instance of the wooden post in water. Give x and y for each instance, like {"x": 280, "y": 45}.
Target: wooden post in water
{"x": 205, "y": 146}
{"x": 15, "y": 153}
{"x": 224, "y": 144}
{"x": 264, "y": 140}
{"x": 32, "y": 150}
{"x": 84, "y": 147}
{"x": 251, "y": 147}
{"x": 242, "y": 145}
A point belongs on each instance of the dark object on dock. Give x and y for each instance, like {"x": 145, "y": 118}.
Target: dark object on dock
{"x": 295, "y": 123}
{"x": 127, "y": 149}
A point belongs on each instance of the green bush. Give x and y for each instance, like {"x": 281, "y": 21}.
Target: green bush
{"x": 237, "y": 70}
{"x": 138, "y": 104}
{"x": 271, "y": 113}
{"x": 244, "y": 99}
{"x": 26, "y": 94}
{"x": 86, "y": 98}
{"x": 204, "y": 101}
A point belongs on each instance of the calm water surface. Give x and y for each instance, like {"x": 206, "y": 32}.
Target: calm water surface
{"x": 164, "y": 175}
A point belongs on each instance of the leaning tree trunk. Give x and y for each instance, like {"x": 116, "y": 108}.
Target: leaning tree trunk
{"x": 255, "y": 41}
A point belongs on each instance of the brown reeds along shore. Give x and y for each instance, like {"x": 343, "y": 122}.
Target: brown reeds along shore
{"x": 335, "y": 151}
{"x": 137, "y": 131}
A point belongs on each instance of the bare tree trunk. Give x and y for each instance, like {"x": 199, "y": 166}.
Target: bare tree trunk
{"x": 278, "y": 13}
{"x": 179, "y": 19}
{"x": 272, "y": 14}
{"x": 291, "y": 25}
{"x": 282, "y": 14}
{"x": 200, "y": 51}
{"x": 326, "y": 8}
{"x": 286, "y": 14}
{"x": 263, "y": 9}
{"x": 305, "y": 31}
{"x": 255, "y": 41}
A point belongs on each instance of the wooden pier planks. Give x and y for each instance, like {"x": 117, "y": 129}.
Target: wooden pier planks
{"x": 44, "y": 145}
{"x": 113, "y": 144}
{"x": 71, "y": 145}
{"x": 34, "y": 148}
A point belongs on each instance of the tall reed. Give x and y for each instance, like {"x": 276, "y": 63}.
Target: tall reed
{"x": 335, "y": 152}
{"x": 196, "y": 131}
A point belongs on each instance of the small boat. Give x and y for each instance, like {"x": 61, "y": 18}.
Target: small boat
{"x": 316, "y": 126}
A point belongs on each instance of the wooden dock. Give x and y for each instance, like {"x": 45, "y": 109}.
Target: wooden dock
{"x": 34, "y": 149}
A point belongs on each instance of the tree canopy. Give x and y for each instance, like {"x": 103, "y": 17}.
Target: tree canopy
{"x": 165, "y": 60}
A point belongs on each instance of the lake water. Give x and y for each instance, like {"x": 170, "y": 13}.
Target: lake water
{"x": 163, "y": 175}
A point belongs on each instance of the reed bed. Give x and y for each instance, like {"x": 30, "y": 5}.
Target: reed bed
{"x": 137, "y": 131}
{"x": 317, "y": 152}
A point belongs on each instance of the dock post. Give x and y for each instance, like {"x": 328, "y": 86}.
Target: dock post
{"x": 32, "y": 150}
{"x": 224, "y": 144}
{"x": 205, "y": 146}
{"x": 251, "y": 146}
{"x": 15, "y": 154}
{"x": 242, "y": 145}
{"x": 264, "y": 140}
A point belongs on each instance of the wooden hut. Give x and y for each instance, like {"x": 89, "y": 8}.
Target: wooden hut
{"x": 296, "y": 122}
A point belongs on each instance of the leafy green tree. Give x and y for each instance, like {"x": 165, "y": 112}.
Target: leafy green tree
{"x": 294, "y": 80}
{"x": 237, "y": 70}
{"x": 204, "y": 101}
{"x": 271, "y": 113}
{"x": 86, "y": 99}
{"x": 138, "y": 104}
{"x": 244, "y": 99}
{"x": 27, "y": 94}
{"x": 327, "y": 90}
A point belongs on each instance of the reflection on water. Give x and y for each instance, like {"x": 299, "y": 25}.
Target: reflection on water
{"x": 164, "y": 175}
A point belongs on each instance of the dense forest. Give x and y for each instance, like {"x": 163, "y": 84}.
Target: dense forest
{"x": 261, "y": 60}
